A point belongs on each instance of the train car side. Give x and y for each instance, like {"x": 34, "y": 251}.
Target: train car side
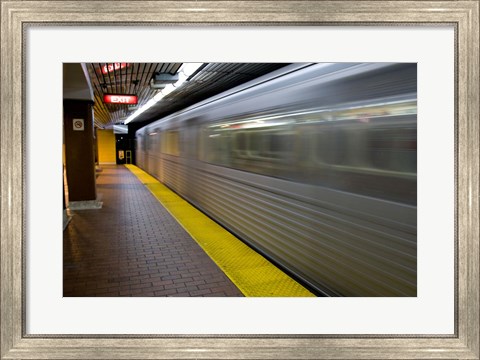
{"x": 315, "y": 168}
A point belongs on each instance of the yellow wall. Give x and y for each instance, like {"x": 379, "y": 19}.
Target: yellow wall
{"x": 106, "y": 147}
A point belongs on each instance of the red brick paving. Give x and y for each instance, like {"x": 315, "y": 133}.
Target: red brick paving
{"x": 133, "y": 247}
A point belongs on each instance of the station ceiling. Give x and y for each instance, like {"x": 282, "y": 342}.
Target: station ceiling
{"x": 134, "y": 79}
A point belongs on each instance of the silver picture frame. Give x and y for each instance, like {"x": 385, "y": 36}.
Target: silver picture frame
{"x": 17, "y": 15}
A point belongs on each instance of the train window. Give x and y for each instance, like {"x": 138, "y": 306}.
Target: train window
{"x": 140, "y": 143}
{"x": 152, "y": 138}
{"x": 163, "y": 142}
{"x": 216, "y": 147}
{"x": 148, "y": 143}
{"x": 255, "y": 144}
{"x": 282, "y": 143}
{"x": 265, "y": 144}
{"x": 394, "y": 149}
{"x": 331, "y": 146}
{"x": 240, "y": 143}
{"x": 170, "y": 142}
{"x": 277, "y": 145}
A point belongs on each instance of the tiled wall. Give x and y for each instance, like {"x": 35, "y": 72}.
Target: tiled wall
{"x": 106, "y": 146}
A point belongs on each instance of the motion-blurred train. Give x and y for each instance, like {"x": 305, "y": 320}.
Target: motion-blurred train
{"x": 313, "y": 165}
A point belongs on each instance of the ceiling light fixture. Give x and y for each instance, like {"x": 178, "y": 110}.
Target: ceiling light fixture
{"x": 186, "y": 70}
{"x": 160, "y": 80}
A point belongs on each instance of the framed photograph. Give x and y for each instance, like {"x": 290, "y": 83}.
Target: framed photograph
{"x": 441, "y": 321}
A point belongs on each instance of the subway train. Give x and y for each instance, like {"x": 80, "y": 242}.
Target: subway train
{"x": 313, "y": 165}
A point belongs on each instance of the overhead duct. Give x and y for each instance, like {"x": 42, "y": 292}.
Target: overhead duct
{"x": 160, "y": 80}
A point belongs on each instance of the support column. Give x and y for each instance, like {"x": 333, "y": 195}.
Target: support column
{"x": 79, "y": 150}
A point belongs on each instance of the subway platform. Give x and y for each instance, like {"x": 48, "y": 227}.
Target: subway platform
{"x": 147, "y": 241}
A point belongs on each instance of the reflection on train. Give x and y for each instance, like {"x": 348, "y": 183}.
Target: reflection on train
{"x": 313, "y": 165}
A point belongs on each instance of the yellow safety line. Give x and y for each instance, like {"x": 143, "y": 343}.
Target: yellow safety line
{"x": 254, "y": 275}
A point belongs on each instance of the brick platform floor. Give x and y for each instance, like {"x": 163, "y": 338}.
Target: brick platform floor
{"x": 133, "y": 247}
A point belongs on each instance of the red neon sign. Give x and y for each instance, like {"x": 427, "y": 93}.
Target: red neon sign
{"x": 113, "y": 66}
{"x": 120, "y": 99}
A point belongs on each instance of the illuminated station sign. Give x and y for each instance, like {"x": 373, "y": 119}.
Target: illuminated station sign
{"x": 120, "y": 99}
{"x": 108, "y": 68}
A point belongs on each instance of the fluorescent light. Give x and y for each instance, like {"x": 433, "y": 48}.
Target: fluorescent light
{"x": 145, "y": 107}
{"x": 189, "y": 68}
{"x": 168, "y": 89}
{"x": 159, "y": 96}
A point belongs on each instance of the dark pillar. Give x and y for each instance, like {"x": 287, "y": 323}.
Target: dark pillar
{"x": 79, "y": 149}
